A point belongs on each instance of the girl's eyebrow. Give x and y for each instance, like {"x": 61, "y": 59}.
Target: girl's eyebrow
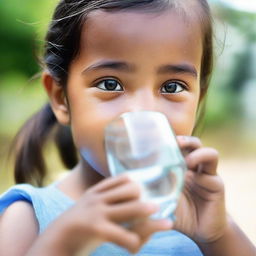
{"x": 183, "y": 68}
{"x": 179, "y": 68}
{"x": 110, "y": 64}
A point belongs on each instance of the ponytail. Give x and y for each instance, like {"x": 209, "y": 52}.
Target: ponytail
{"x": 65, "y": 146}
{"x": 28, "y": 146}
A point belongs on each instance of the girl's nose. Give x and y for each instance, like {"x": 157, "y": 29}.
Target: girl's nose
{"x": 142, "y": 100}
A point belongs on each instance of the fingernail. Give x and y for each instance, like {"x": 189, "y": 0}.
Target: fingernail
{"x": 184, "y": 138}
{"x": 167, "y": 223}
{"x": 190, "y": 138}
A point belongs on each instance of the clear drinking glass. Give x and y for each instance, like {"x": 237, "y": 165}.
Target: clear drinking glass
{"x": 143, "y": 145}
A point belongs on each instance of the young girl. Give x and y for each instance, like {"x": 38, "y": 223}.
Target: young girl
{"x": 104, "y": 58}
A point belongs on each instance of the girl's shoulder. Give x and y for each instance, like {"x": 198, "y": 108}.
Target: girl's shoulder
{"x": 47, "y": 202}
{"x": 17, "y": 219}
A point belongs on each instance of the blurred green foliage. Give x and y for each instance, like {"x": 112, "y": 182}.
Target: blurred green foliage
{"x": 21, "y": 34}
{"x": 22, "y": 30}
{"x": 235, "y": 69}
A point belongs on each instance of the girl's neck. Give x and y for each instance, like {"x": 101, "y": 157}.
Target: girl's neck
{"x": 79, "y": 180}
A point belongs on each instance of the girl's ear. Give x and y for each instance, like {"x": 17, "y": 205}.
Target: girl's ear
{"x": 57, "y": 98}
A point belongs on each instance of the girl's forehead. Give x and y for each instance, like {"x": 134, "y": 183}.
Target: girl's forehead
{"x": 116, "y": 34}
{"x": 134, "y": 22}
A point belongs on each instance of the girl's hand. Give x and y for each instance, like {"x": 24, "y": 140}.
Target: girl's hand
{"x": 98, "y": 217}
{"x": 201, "y": 210}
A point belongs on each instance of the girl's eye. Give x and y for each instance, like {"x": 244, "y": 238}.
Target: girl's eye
{"x": 172, "y": 87}
{"x": 109, "y": 85}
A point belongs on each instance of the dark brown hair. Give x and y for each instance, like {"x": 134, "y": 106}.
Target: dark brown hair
{"x": 61, "y": 47}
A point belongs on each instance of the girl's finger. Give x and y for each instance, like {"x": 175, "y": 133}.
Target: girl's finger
{"x": 203, "y": 160}
{"x": 188, "y": 144}
{"x": 132, "y": 210}
{"x": 110, "y": 183}
{"x": 126, "y": 191}
{"x": 205, "y": 184}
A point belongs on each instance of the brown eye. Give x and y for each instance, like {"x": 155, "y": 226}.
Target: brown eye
{"x": 172, "y": 87}
{"x": 109, "y": 85}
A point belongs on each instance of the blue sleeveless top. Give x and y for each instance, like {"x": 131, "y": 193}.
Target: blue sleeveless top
{"x": 49, "y": 202}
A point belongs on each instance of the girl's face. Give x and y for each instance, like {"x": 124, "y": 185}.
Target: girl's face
{"x": 133, "y": 61}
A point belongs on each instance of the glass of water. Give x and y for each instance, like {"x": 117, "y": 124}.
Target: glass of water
{"x": 143, "y": 145}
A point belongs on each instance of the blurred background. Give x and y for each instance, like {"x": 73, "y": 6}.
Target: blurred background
{"x": 230, "y": 123}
